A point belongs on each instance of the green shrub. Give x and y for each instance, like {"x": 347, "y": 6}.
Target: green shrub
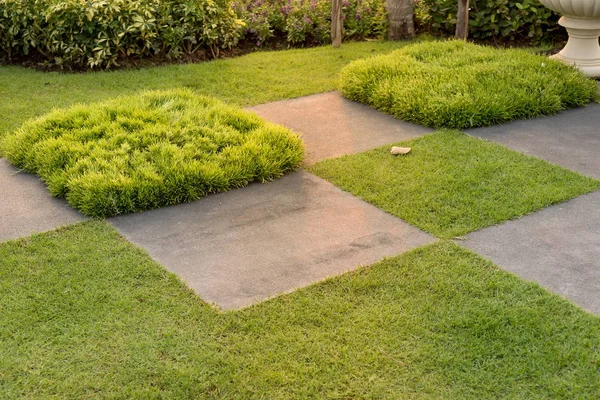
{"x": 151, "y": 150}
{"x": 498, "y": 20}
{"x": 459, "y": 85}
{"x": 303, "y": 22}
{"x": 96, "y": 33}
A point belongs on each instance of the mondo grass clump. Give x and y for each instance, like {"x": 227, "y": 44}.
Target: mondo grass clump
{"x": 454, "y": 84}
{"x": 150, "y": 150}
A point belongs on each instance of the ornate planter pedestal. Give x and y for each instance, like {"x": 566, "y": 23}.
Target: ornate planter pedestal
{"x": 581, "y": 18}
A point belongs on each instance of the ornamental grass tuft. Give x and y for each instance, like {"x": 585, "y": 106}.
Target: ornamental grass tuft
{"x": 454, "y": 84}
{"x": 150, "y": 150}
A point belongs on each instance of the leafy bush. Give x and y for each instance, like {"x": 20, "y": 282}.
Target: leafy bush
{"x": 98, "y": 33}
{"x": 455, "y": 84}
{"x": 151, "y": 150}
{"x": 303, "y": 22}
{"x": 95, "y": 33}
{"x": 502, "y": 20}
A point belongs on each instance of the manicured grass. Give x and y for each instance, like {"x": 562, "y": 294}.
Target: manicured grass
{"x": 151, "y": 150}
{"x": 451, "y": 184}
{"x": 87, "y": 315}
{"x": 252, "y": 79}
{"x": 454, "y": 84}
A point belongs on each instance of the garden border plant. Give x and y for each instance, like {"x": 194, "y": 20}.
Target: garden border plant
{"x": 501, "y": 21}
{"x": 96, "y": 34}
{"x": 150, "y": 150}
{"x": 77, "y": 34}
{"x": 308, "y": 22}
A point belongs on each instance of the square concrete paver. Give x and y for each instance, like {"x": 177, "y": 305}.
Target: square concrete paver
{"x": 246, "y": 245}
{"x": 558, "y": 247}
{"x": 570, "y": 139}
{"x": 332, "y": 126}
{"x": 26, "y": 206}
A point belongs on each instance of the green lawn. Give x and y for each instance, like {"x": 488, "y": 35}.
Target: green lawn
{"x": 87, "y": 315}
{"x": 454, "y": 84}
{"x": 252, "y": 79}
{"x": 452, "y": 184}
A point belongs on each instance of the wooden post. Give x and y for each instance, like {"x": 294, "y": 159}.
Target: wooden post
{"x": 462, "y": 20}
{"x": 336, "y": 23}
{"x": 401, "y": 19}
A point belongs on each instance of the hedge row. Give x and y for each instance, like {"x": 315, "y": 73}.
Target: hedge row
{"x": 308, "y": 22}
{"x": 96, "y": 33}
{"x": 503, "y": 21}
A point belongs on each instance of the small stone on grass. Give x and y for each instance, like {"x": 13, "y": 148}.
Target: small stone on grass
{"x": 400, "y": 150}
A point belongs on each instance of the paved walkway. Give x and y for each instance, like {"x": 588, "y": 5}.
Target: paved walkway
{"x": 246, "y": 245}
{"x": 26, "y": 207}
{"x": 332, "y": 126}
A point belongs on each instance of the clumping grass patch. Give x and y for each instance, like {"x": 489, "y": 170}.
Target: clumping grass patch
{"x": 87, "y": 315}
{"x": 455, "y": 84}
{"x": 151, "y": 150}
{"x": 451, "y": 183}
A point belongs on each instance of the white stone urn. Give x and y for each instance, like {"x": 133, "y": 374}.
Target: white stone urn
{"x": 582, "y": 20}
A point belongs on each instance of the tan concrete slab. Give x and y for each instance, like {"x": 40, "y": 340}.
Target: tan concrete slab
{"x": 26, "y": 207}
{"x": 243, "y": 246}
{"x": 332, "y": 126}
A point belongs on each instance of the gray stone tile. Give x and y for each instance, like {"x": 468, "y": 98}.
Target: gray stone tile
{"x": 332, "y": 126}
{"x": 570, "y": 139}
{"x": 26, "y": 206}
{"x": 246, "y": 245}
{"x": 558, "y": 247}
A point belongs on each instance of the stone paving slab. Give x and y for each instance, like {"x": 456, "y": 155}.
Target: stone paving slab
{"x": 26, "y": 206}
{"x": 570, "y": 139}
{"x": 558, "y": 247}
{"x": 246, "y": 245}
{"x": 332, "y": 126}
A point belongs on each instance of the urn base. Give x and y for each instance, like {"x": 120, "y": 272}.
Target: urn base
{"x": 582, "y": 49}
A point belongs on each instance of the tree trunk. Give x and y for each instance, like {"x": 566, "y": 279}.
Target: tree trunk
{"x": 462, "y": 20}
{"x": 401, "y": 19}
{"x": 336, "y": 23}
